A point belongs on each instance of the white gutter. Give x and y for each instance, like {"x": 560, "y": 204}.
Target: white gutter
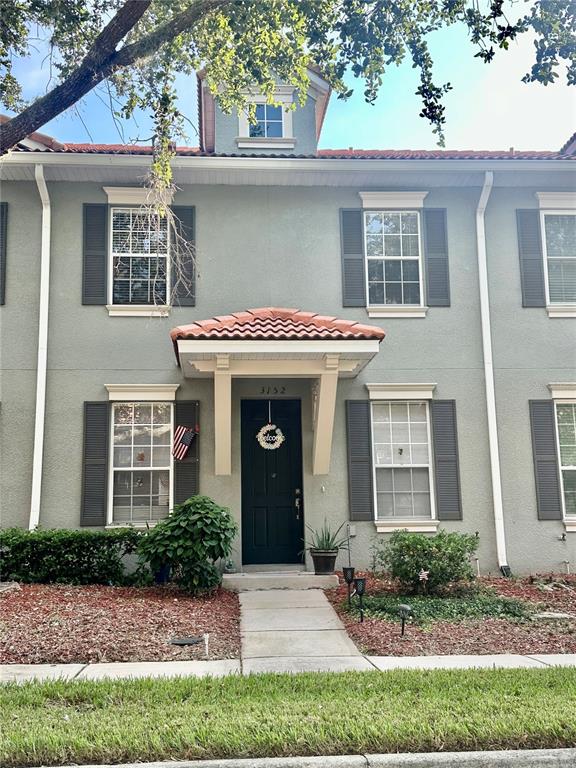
{"x": 42, "y": 350}
{"x": 489, "y": 375}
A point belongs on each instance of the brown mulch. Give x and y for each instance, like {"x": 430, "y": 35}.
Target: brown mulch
{"x": 49, "y": 623}
{"x": 379, "y": 637}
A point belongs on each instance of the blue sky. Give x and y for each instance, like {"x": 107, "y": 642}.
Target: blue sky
{"x": 488, "y": 108}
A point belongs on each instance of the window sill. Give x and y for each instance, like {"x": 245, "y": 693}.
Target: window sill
{"x": 137, "y": 310}
{"x": 415, "y": 526}
{"x": 561, "y": 310}
{"x": 253, "y": 142}
{"x": 397, "y": 310}
{"x": 570, "y": 525}
{"x": 139, "y": 526}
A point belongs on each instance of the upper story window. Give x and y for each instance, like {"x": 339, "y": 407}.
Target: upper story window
{"x": 269, "y": 122}
{"x": 139, "y": 254}
{"x": 566, "y": 430}
{"x": 560, "y": 257}
{"x": 393, "y": 257}
{"x": 402, "y": 460}
{"x": 141, "y": 462}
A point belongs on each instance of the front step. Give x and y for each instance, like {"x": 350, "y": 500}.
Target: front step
{"x": 246, "y": 582}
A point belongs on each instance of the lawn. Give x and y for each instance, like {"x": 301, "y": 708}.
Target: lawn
{"x": 498, "y": 617}
{"x": 51, "y": 623}
{"x": 273, "y": 715}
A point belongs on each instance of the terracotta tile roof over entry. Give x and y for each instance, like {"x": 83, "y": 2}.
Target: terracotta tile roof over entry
{"x": 275, "y": 323}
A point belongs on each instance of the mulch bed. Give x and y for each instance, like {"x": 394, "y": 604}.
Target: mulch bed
{"x": 49, "y": 624}
{"x": 379, "y": 637}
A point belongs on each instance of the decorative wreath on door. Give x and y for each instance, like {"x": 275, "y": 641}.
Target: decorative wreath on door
{"x": 270, "y": 436}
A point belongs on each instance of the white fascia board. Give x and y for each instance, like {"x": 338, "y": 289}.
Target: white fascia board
{"x": 385, "y": 200}
{"x": 304, "y": 347}
{"x": 557, "y": 200}
{"x": 563, "y": 390}
{"x": 392, "y": 391}
{"x": 142, "y": 392}
{"x": 133, "y": 195}
{"x": 322, "y": 165}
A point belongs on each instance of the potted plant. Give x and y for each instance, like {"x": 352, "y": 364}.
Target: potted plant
{"x": 324, "y": 546}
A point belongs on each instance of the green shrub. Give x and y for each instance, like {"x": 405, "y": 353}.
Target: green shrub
{"x": 444, "y": 556}
{"x": 474, "y": 605}
{"x": 66, "y": 556}
{"x": 190, "y": 541}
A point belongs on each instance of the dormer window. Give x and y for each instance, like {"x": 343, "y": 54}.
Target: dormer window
{"x": 273, "y": 126}
{"x": 269, "y": 122}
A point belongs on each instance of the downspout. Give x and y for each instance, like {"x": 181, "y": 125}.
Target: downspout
{"x": 489, "y": 375}
{"x": 38, "y": 453}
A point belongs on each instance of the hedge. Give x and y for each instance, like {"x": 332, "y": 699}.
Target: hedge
{"x": 66, "y": 556}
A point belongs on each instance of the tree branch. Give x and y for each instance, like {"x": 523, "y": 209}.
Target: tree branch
{"x": 100, "y": 62}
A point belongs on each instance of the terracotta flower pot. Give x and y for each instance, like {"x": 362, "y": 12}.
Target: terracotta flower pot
{"x": 324, "y": 561}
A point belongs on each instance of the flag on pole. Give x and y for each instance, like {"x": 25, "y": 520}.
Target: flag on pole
{"x": 183, "y": 437}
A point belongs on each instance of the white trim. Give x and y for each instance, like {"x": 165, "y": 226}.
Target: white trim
{"x": 489, "y": 385}
{"x": 397, "y": 310}
{"x": 131, "y": 196}
{"x": 392, "y": 391}
{"x": 563, "y": 390}
{"x": 42, "y": 359}
{"x": 255, "y": 142}
{"x": 415, "y": 526}
{"x": 561, "y": 310}
{"x": 385, "y": 200}
{"x": 140, "y": 393}
{"x": 563, "y": 200}
{"x": 138, "y": 310}
{"x": 570, "y": 526}
{"x": 292, "y": 347}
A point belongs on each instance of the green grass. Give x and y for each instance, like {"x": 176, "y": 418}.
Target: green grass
{"x": 477, "y": 605}
{"x": 57, "y": 723}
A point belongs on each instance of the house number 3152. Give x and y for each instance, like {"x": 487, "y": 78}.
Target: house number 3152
{"x": 281, "y": 390}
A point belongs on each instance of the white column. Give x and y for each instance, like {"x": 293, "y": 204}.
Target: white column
{"x": 222, "y": 417}
{"x": 324, "y": 423}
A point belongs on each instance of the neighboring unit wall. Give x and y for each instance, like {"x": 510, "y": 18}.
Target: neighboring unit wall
{"x": 531, "y": 350}
{"x": 18, "y": 350}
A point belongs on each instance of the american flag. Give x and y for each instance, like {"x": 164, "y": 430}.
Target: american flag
{"x": 183, "y": 437}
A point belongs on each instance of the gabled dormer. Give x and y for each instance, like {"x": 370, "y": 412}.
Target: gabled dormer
{"x": 278, "y": 130}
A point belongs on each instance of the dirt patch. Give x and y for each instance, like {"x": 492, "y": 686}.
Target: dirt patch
{"x": 46, "y": 623}
{"x": 381, "y": 637}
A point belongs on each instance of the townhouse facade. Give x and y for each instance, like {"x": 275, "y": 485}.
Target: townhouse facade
{"x": 384, "y": 339}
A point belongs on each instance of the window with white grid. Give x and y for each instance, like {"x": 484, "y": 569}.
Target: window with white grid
{"x": 566, "y": 423}
{"x": 560, "y": 251}
{"x": 393, "y": 265}
{"x": 141, "y": 461}
{"x": 402, "y": 465}
{"x": 139, "y": 244}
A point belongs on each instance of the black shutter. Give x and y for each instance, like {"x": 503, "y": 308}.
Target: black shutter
{"x": 531, "y": 260}
{"x": 446, "y": 462}
{"x": 352, "y": 247}
{"x": 184, "y": 273}
{"x": 436, "y": 257}
{"x": 95, "y": 254}
{"x": 3, "y": 240}
{"x": 95, "y": 463}
{"x": 187, "y": 471}
{"x": 546, "y": 468}
{"x": 359, "y": 444}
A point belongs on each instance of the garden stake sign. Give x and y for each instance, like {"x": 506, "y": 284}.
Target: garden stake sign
{"x": 270, "y": 436}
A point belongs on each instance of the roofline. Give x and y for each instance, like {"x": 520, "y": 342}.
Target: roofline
{"x": 290, "y": 163}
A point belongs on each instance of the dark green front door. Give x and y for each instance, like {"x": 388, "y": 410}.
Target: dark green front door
{"x": 272, "y": 512}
